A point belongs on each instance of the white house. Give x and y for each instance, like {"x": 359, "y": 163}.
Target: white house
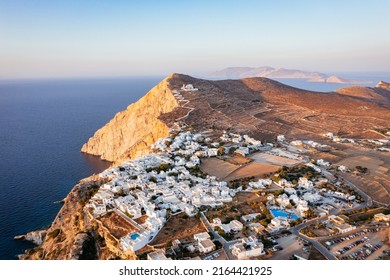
{"x": 233, "y": 226}
{"x": 98, "y": 208}
{"x": 212, "y": 152}
{"x": 311, "y": 197}
{"x": 302, "y": 207}
{"x": 157, "y": 255}
{"x": 278, "y": 224}
{"x": 283, "y": 200}
{"x": 342, "y": 168}
{"x": 206, "y": 246}
{"x": 243, "y": 151}
{"x": 188, "y": 87}
{"x": 382, "y": 217}
{"x": 344, "y": 228}
{"x": 322, "y": 162}
{"x": 260, "y": 184}
{"x": 305, "y": 183}
{"x": 201, "y": 236}
{"x": 290, "y": 191}
{"x": 247, "y": 248}
{"x": 250, "y": 217}
{"x": 280, "y": 138}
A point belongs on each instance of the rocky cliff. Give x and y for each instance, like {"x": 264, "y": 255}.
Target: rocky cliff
{"x": 72, "y": 235}
{"x": 130, "y": 133}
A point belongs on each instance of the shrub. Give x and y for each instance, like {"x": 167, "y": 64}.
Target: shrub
{"x": 153, "y": 179}
{"x": 54, "y": 233}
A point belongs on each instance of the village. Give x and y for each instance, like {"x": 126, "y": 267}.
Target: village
{"x": 149, "y": 192}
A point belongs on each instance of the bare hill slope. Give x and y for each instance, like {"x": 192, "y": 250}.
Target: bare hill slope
{"x": 260, "y": 107}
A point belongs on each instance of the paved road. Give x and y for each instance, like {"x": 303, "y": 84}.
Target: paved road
{"x": 225, "y": 244}
{"x": 368, "y": 199}
{"x": 321, "y": 248}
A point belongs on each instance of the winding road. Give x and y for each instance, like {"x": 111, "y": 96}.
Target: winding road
{"x": 321, "y": 248}
{"x": 180, "y": 97}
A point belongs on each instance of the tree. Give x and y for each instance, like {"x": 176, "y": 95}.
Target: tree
{"x": 221, "y": 151}
{"x": 165, "y": 166}
{"x": 361, "y": 169}
{"x": 153, "y": 179}
{"x": 218, "y": 244}
{"x": 220, "y": 231}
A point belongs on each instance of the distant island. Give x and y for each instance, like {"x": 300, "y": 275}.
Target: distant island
{"x": 281, "y": 73}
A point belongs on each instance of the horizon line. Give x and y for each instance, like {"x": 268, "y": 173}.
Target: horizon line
{"x": 81, "y": 77}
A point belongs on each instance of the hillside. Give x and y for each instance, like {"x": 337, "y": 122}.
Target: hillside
{"x": 380, "y": 93}
{"x": 260, "y": 107}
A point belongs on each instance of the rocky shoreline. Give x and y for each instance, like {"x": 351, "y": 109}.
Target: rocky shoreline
{"x": 37, "y": 237}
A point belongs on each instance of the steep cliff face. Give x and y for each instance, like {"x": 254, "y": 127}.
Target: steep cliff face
{"x": 131, "y": 132}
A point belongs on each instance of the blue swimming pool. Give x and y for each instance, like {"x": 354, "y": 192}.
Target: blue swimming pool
{"x": 282, "y": 213}
{"x": 134, "y": 236}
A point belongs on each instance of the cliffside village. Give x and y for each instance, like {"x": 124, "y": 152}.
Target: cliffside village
{"x": 169, "y": 182}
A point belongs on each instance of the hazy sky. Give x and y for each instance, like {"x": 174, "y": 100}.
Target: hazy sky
{"x": 114, "y": 38}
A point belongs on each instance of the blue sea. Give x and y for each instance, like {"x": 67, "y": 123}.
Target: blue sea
{"x": 43, "y": 124}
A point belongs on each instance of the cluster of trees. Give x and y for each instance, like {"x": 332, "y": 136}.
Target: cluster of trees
{"x": 227, "y": 236}
{"x": 296, "y": 222}
{"x": 195, "y": 171}
{"x": 242, "y": 182}
{"x": 308, "y": 233}
{"x": 311, "y": 213}
{"x": 293, "y": 174}
{"x": 162, "y": 167}
{"x": 360, "y": 169}
{"x": 153, "y": 179}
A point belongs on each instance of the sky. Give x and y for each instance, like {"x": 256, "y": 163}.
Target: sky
{"x": 94, "y": 38}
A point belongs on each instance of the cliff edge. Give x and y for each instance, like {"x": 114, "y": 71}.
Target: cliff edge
{"x": 131, "y": 132}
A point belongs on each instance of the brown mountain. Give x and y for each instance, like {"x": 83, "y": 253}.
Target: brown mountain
{"x": 381, "y": 92}
{"x": 259, "y": 107}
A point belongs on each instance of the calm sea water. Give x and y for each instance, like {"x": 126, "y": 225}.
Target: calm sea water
{"x": 43, "y": 124}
